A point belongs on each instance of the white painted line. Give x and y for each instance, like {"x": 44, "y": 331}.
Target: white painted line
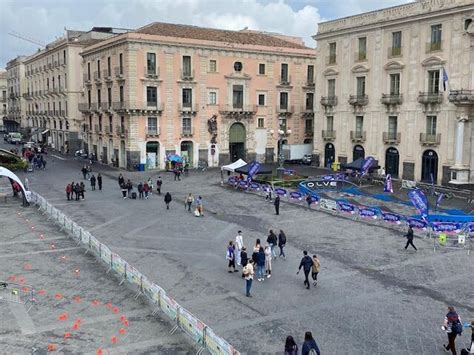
{"x": 58, "y": 157}
{"x": 38, "y": 252}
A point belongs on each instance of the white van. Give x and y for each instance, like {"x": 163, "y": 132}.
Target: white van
{"x": 14, "y": 138}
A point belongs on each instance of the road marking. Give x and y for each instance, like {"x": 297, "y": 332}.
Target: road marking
{"x": 32, "y": 240}
{"x": 112, "y": 221}
{"x": 38, "y": 252}
{"x": 24, "y": 321}
{"x": 58, "y": 157}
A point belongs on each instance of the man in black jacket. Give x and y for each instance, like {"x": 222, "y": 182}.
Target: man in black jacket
{"x": 244, "y": 259}
{"x": 409, "y": 236}
{"x": 306, "y": 263}
{"x": 277, "y": 205}
{"x": 272, "y": 241}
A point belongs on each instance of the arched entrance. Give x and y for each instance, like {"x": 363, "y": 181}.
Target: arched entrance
{"x": 237, "y": 137}
{"x": 152, "y": 155}
{"x": 429, "y": 166}
{"x": 187, "y": 152}
{"x": 358, "y": 152}
{"x": 392, "y": 161}
{"x": 329, "y": 155}
{"x": 123, "y": 157}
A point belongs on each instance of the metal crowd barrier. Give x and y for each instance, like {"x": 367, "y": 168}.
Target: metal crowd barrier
{"x": 159, "y": 299}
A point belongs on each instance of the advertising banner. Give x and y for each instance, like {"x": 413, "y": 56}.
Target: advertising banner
{"x": 281, "y": 192}
{"x": 296, "y": 195}
{"x": 366, "y": 165}
{"x": 446, "y": 227}
{"x": 133, "y": 275}
{"x": 118, "y": 264}
{"x": 419, "y": 200}
{"x": 388, "y": 184}
{"x": 469, "y": 227}
{"x": 216, "y": 345}
{"x": 169, "y": 306}
{"x": 232, "y": 180}
{"x": 391, "y": 217}
{"x": 253, "y": 169}
{"x": 95, "y": 246}
{"x": 368, "y": 212}
{"x": 191, "y": 325}
{"x": 106, "y": 254}
{"x": 327, "y": 204}
{"x": 346, "y": 207}
{"x": 152, "y": 291}
{"x": 417, "y": 223}
{"x": 254, "y": 186}
{"x": 243, "y": 184}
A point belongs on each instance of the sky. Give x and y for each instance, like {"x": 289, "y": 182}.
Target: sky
{"x": 45, "y": 20}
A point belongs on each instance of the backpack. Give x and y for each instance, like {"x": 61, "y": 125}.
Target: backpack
{"x": 456, "y": 327}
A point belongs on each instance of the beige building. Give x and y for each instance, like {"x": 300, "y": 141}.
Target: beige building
{"x": 205, "y": 94}
{"x": 397, "y": 84}
{"x": 3, "y": 96}
{"x": 16, "y": 83}
{"x": 54, "y": 88}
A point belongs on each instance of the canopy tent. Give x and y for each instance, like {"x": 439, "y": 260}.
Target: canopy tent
{"x": 357, "y": 165}
{"x": 264, "y": 169}
{"x": 10, "y": 175}
{"x": 235, "y": 165}
{"x": 175, "y": 158}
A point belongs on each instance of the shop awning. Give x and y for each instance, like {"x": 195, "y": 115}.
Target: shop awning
{"x": 235, "y": 165}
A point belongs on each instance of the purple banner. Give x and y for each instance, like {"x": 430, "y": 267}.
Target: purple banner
{"x": 254, "y": 186}
{"x": 368, "y": 212}
{"x": 469, "y": 226}
{"x": 417, "y": 223}
{"x": 446, "y": 227}
{"x": 296, "y": 195}
{"x": 243, "y": 184}
{"x": 253, "y": 169}
{"x": 366, "y": 165}
{"x": 438, "y": 199}
{"x": 232, "y": 180}
{"x": 391, "y": 217}
{"x": 280, "y": 191}
{"x": 346, "y": 207}
{"x": 388, "y": 184}
{"x": 419, "y": 200}
{"x": 314, "y": 198}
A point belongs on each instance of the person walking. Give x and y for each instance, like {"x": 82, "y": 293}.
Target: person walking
{"x": 92, "y": 180}
{"x": 272, "y": 241}
{"x": 309, "y": 200}
{"x": 68, "y": 191}
{"x": 123, "y": 188}
{"x": 315, "y": 269}
{"x": 150, "y": 186}
{"x": 168, "y": 200}
{"x": 244, "y": 259}
{"x": 268, "y": 195}
{"x": 261, "y": 264}
{"x": 306, "y": 263}
{"x": 140, "y": 190}
{"x": 409, "y": 237}
{"x": 121, "y": 180}
{"x": 248, "y": 273}
{"x": 290, "y": 346}
{"x": 146, "y": 189}
{"x": 84, "y": 172}
{"x": 282, "y": 243}
{"x": 276, "y": 203}
{"x": 230, "y": 256}
{"x": 268, "y": 261}
{"x": 99, "y": 181}
{"x": 309, "y": 345}
{"x": 129, "y": 188}
{"x": 239, "y": 244}
{"x": 200, "y": 207}
{"x": 82, "y": 189}
{"x": 77, "y": 191}
{"x": 188, "y": 202}
{"x": 159, "y": 182}
{"x": 453, "y": 326}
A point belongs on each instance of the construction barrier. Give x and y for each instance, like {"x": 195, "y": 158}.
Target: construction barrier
{"x": 183, "y": 319}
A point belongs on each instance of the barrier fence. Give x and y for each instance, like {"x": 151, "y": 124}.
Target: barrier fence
{"x": 183, "y": 319}
{"x": 444, "y": 234}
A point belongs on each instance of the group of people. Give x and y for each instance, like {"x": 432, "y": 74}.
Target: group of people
{"x": 75, "y": 191}
{"x": 145, "y": 189}
{"x": 309, "y": 346}
{"x": 35, "y": 160}
{"x": 86, "y": 172}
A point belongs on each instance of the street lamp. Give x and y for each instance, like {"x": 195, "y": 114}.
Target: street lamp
{"x": 281, "y": 158}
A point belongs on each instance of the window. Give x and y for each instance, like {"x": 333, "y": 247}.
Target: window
{"x": 98, "y": 68}
{"x": 152, "y": 125}
{"x": 212, "y": 98}
{"x": 433, "y": 81}
{"x": 431, "y": 125}
{"x": 59, "y": 81}
{"x": 395, "y": 84}
{"x": 53, "y": 82}
{"x": 187, "y": 98}
{"x": 111, "y": 121}
{"x": 261, "y": 122}
{"x": 261, "y": 69}
{"x": 310, "y": 74}
{"x": 151, "y": 63}
{"x": 47, "y": 83}
{"x": 108, "y": 66}
{"x": 282, "y": 124}
{"x": 186, "y": 65}
{"x": 361, "y": 86}
{"x": 238, "y": 66}
{"x": 90, "y": 123}
{"x": 122, "y": 123}
{"x": 109, "y": 96}
{"x": 121, "y": 94}
{"x": 309, "y": 101}
{"x": 60, "y": 107}
{"x": 261, "y": 99}
{"x": 100, "y": 123}
{"x": 283, "y": 100}
{"x": 54, "y": 108}
{"x": 392, "y": 127}
{"x": 359, "y": 125}
{"x": 396, "y": 43}
{"x": 65, "y": 80}
{"x": 121, "y": 63}
{"x": 284, "y": 73}
{"x": 308, "y": 126}
{"x": 187, "y": 127}
{"x": 65, "y": 103}
{"x": 98, "y": 97}
{"x": 213, "y": 66}
{"x": 436, "y": 34}
{"x": 332, "y": 53}
{"x": 362, "y": 48}
{"x": 89, "y": 98}
{"x": 237, "y": 96}
{"x": 151, "y": 98}
{"x": 332, "y": 87}
{"x": 64, "y": 56}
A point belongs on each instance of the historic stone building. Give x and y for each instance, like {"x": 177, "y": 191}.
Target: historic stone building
{"x": 15, "y": 118}
{"x": 397, "y": 84}
{"x": 3, "y": 96}
{"x": 208, "y": 95}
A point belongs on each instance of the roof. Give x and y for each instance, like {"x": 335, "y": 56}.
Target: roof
{"x": 202, "y": 33}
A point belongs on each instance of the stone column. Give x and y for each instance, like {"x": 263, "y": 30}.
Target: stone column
{"x": 459, "y": 141}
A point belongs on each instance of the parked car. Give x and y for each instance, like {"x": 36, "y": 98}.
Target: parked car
{"x": 307, "y": 159}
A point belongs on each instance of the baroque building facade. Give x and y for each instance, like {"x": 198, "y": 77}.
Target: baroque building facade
{"x": 397, "y": 84}
{"x": 205, "y": 94}
{"x": 14, "y": 121}
{"x": 3, "y": 96}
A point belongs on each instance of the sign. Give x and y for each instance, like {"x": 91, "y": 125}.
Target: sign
{"x": 446, "y": 227}
{"x": 243, "y": 184}
{"x": 419, "y": 200}
{"x": 388, "y": 184}
{"x": 296, "y": 195}
{"x": 254, "y": 186}
{"x": 368, "y": 212}
{"x": 417, "y": 223}
{"x": 281, "y": 192}
{"x": 253, "y": 169}
{"x": 106, "y": 254}
{"x": 391, "y": 217}
{"x": 216, "y": 345}
{"x": 327, "y": 204}
{"x": 442, "y": 239}
{"x": 118, "y": 264}
{"x": 461, "y": 239}
{"x": 346, "y": 207}
{"x": 469, "y": 227}
{"x": 232, "y": 180}
{"x": 191, "y": 325}
{"x": 321, "y": 184}
{"x": 366, "y": 165}
{"x": 169, "y": 306}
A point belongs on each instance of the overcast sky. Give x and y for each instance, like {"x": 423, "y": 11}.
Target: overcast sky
{"x": 44, "y": 20}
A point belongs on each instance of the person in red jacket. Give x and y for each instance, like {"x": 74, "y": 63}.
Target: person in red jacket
{"x": 146, "y": 189}
{"x": 68, "y": 191}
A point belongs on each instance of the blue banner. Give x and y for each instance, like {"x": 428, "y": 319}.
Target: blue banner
{"x": 368, "y": 212}
{"x": 296, "y": 195}
{"x": 243, "y": 184}
{"x": 419, "y": 200}
{"x": 254, "y": 186}
{"x": 469, "y": 227}
{"x": 417, "y": 223}
{"x": 232, "y": 180}
{"x": 438, "y": 199}
{"x": 388, "y": 184}
{"x": 391, "y": 217}
{"x": 280, "y": 191}
{"x": 253, "y": 169}
{"x": 446, "y": 227}
{"x": 346, "y": 207}
{"x": 366, "y": 165}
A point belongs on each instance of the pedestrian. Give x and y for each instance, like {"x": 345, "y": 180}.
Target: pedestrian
{"x": 129, "y": 188}
{"x": 44, "y": 162}
{"x": 150, "y": 186}
{"x": 239, "y": 244}
{"x": 268, "y": 261}
{"x": 244, "y": 259}
{"x": 82, "y": 190}
{"x": 84, "y": 172}
{"x": 68, "y": 191}
{"x": 268, "y": 195}
{"x": 282, "y": 243}
{"x": 276, "y": 203}
{"x": 248, "y": 273}
{"x": 175, "y": 171}
{"x": 178, "y": 174}
{"x": 99, "y": 181}
{"x": 189, "y": 202}
{"x": 315, "y": 269}
{"x": 230, "y": 256}
{"x": 409, "y": 237}
{"x": 159, "y": 182}
{"x": 309, "y": 344}
{"x": 306, "y": 263}
{"x": 309, "y": 200}
{"x": 77, "y": 191}
{"x": 256, "y": 248}
{"x": 200, "y": 208}
{"x": 470, "y": 350}
{"x": 272, "y": 241}
{"x": 453, "y": 326}
{"x": 121, "y": 180}
{"x": 92, "y": 180}
{"x": 290, "y": 346}
{"x": 168, "y": 200}
{"x": 261, "y": 264}
{"x": 140, "y": 190}
{"x": 146, "y": 190}
{"x": 123, "y": 188}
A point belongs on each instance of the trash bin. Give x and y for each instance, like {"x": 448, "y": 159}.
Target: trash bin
{"x": 336, "y": 166}
{"x": 141, "y": 167}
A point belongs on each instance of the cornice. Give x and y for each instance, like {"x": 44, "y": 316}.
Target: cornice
{"x": 394, "y": 65}
{"x": 359, "y": 69}
{"x": 433, "y": 61}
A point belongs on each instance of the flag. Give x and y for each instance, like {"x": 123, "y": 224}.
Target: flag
{"x": 253, "y": 169}
{"x": 366, "y": 165}
{"x": 438, "y": 200}
{"x": 388, "y": 184}
{"x": 419, "y": 200}
{"x": 445, "y": 79}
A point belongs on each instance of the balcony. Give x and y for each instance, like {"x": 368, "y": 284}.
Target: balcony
{"x": 285, "y": 80}
{"x": 151, "y": 73}
{"x": 105, "y": 106}
{"x": 84, "y": 107}
{"x": 358, "y": 136}
{"x": 50, "y": 66}
{"x": 394, "y": 52}
{"x": 152, "y": 132}
{"x": 187, "y": 131}
{"x": 108, "y": 130}
{"x": 310, "y": 82}
{"x": 121, "y": 131}
{"x": 153, "y": 107}
{"x": 331, "y": 59}
{"x": 120, "y": 106}
{"x": 391, "y": 137}
{"x": 307, "y": 110}
{"x": 358, "y": 100}
{"x": 461, "y": 97}
{"x": 56, "y": 64}
{"x": 26, "y": 96}
{"x": 119, "y": 74}
{"x": 329, "y": 135}
{"x": 187, "y": 74}
{"x": 97, "y": 77}
{"x": 308, "y": 132}
{"x": 285, "y": 110}
{"x": 87, "y": 79}
{"x": 188, "y": 108}
{"x": 328, "y": 101}
{"x": 238, "y": 110}
{"x": 97, "y": 129}
{"x": 360, "y": 57}
{"x": 428, "y": 98}
{"x": 62, "y": 113}
{"x": 430, "y": 139}
{"x": 434, "y": 46}
{"x": 392, "y": 99}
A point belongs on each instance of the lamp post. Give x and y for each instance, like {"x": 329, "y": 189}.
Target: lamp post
{"x": 281, "y": 157}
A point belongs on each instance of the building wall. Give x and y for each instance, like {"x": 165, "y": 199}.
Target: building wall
{"x": 15, "y": 88}
{"x": 3, "y": 95}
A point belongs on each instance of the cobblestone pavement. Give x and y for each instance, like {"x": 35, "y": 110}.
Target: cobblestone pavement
{"x": 77, "y": 308}
{"x": 373, "y": 297}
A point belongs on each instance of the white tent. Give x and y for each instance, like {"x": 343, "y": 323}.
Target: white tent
{"x": 235, "y": 165}
{"x": 7, "y": 173}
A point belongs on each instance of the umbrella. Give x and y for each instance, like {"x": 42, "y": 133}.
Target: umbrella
{"x": 175, "y": 158}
